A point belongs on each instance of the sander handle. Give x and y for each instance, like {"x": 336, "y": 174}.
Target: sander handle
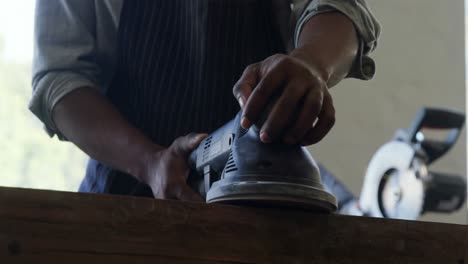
{"x": 208, "y": 160}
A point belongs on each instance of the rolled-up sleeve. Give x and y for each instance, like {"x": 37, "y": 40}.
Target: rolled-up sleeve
{"x": 66, "y": 55}
{"x": 364, "y": 21}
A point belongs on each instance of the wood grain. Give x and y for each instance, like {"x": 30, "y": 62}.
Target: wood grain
{"x": 57, "y": 227}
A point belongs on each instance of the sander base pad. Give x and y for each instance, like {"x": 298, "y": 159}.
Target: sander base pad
{"x": 272, "y": 194}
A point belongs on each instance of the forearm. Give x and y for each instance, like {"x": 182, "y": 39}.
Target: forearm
{"x": 329, "y": 43}
{"x": 86, "y": 118}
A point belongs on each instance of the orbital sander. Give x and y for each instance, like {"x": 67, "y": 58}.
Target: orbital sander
{"x": 398, "y": 182}
{"x": 233, "y": 166}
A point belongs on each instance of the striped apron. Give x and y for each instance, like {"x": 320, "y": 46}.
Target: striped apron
{"x": 178, "y": 61}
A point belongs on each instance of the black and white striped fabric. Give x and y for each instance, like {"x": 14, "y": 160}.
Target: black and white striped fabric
{"x": 178, "y": 61}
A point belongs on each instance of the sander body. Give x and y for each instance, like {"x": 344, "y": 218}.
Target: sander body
{"x": 233, "y": 166}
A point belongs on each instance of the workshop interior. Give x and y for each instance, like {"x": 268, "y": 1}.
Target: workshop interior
{"x": 397, "y": 150}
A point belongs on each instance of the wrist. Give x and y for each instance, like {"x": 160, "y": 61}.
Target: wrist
{"x": 143, "y": 163}
{"x": 314, "y": 63}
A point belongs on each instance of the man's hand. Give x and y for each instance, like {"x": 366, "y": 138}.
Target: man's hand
{"x": 167, "y": 173}
{"x": 101, "y": 131}
{"x": 303, "y": 112}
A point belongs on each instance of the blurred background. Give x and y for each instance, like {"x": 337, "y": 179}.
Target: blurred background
{"x": 420, "y": 62}
{"x": 28, "y": 157}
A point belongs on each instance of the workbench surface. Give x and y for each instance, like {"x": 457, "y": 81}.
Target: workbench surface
{"x": 58, "y": 227}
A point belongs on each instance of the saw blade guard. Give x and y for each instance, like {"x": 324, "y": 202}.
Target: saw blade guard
{"x": 391, "y": 189}
{"x": 398, "y": 183}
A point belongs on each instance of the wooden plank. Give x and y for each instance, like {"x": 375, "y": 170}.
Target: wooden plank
{"x": 58, "y": 227}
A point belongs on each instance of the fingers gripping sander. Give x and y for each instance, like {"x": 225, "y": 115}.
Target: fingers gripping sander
{"x": 233, "y": 166}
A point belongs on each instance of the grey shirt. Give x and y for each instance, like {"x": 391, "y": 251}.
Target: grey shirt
{"x": 76, "y": 43}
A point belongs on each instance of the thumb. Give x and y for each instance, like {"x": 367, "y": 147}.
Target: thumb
{"x": 247, "y": 82}
{"x": 185, "y": 193}
{"x": 186, "y": 144}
